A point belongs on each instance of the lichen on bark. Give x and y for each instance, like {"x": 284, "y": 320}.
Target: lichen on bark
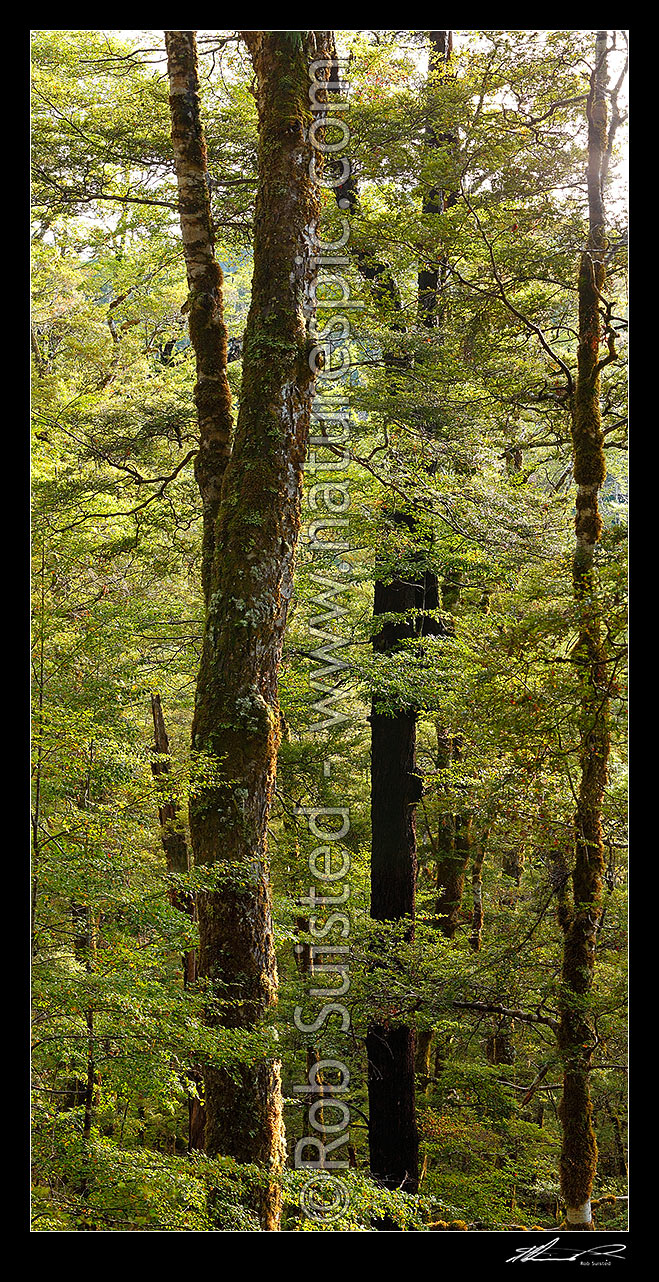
{"x": 237, "y": 720}
{"x": 580, "y": 917}
{"x": 204, "y": 303}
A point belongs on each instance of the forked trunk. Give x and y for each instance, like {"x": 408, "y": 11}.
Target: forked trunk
{"x": 237, "y": 721}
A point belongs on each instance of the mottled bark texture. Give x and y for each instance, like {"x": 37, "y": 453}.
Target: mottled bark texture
{"x": 172, "y": 836}
{"x": 578, "y": 1160}
{"x": 204, "y": 304}
{"x": 237, "y": 720}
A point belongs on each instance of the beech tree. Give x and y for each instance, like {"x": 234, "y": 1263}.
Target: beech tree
{"x": 471, "y": 634}
{"x": 204, "y": 302}
{"x": 253, "y": 530}
{"x": 411, "y": 595}
{"x": 580, "y": 914}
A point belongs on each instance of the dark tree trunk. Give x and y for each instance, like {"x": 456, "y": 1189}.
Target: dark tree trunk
{"x": 395, "y": 789}
{"x": 393, "y": 1137}
{"x": 454, "y": 835}
{"x": 451, "y": 875}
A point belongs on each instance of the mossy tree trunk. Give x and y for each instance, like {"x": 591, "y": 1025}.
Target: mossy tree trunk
{"x": 204, "y": 305}
{"x": 580, "y": 918}
{"x": 237, "y": 719}
{"x": 477, "y": 914}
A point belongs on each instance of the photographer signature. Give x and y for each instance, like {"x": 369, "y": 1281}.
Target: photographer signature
{"x": 543, "y": 1251}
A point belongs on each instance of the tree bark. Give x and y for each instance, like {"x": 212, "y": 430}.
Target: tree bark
{"x": 477, "y": 914}
{"x": 578, "y": 1161}
{"x": 237, "y": 720}
{"x": 173, "y": 839}
{"x": 395, "y": 789}
{"x": 204, "y": 304}
{"x": 451, "y": 870}
{"x": 177, "y": 857}
{"x": 435, "y": 201}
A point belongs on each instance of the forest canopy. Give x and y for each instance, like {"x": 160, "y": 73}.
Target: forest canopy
{"x": 329, "y": 504}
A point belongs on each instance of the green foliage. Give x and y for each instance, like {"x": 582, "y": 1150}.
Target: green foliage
{"x": 462, "y": 430}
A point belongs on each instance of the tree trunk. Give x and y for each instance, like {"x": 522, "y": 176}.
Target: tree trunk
{"x": 393, "y": 1137}
{"x": 435, "y": 201}
{"x": 208, "y": 333}
{"x": 578, "y": 1160}
{"x": 173, "y": 839}
{"x": 177, "y": 857}
{"x": 395, "y": 790}
{"x": 451, "y": 875}
{"x": 477, "y": 915}
{"x": 455, "y": 835}
{"x": 237, "y": 721}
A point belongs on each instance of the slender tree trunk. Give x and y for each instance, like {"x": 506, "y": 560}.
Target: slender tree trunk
{"x": 423, "y": 1064}
{"x": 477, "y": 914}
{"x": 177, "y": 856}
{"x": 578, "y": 1160}
{"x": 435, "y": 201}
{"x": 36, "y": 810}
{"x": 621, "y": 1151}
{"x": 173, "y": 839}
{"x": 91, "y": 1077}
{"x": 208, "y": 333}
{"x": 86, "y": 924}
{"x": 39, "y": 358}
{"x": 395, "y": 788}
{"x": 451, "y": 872}
{"x": 237, "y": 721}
{"x": 498, "y": 1044}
